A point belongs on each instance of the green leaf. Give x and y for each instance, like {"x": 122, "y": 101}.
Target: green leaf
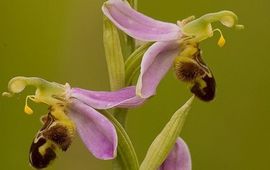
{"x": 165, "y": 141}
{"x": 126, "y": 158}
{"x": 133, "y": 62}
{"x": 114, "y": 57}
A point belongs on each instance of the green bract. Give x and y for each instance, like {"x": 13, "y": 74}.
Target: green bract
{"x": 164, "y": 142}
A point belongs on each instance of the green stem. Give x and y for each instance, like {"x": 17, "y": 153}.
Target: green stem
{"x": 124, "y": 46}
{"x": 126, "y": 158}
{"x": 132, "y": 64}
{"x": 121, "y": 114}
{"x": 127, "y": 44}
{"x": 116, "y": 69}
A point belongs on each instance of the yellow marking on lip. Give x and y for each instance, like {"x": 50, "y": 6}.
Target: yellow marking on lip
{"x": 42, "y": 149}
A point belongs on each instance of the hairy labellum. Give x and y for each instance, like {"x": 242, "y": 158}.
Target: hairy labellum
{"x": 55, "y": 134}
{"x": 189, "y": 67}
{"x": 188, "y": 71}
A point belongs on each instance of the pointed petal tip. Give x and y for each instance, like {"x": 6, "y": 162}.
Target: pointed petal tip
{"x": 239, "y": 26}
{"x": 191, "y": 99}
{"x": 144, "y": 96}
{"x": 107, "y": 156}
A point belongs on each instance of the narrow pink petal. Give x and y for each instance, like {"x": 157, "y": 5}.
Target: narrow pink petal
{"x": 137, "y": 25}
{"x": 179, "y": 158}
{"x": 155, "y": 64}
{"x": 95, "y": 130}
{"x": 124, "y": 98}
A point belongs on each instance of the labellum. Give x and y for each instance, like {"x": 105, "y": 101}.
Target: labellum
{"x": 56, "y": 133}
{"x": 190, "y": 68}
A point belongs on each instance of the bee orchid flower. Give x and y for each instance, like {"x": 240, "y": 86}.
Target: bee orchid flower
{"x": 72, "y": 109}
{"x": 175, "y": 44}
{"x": 179, "y": 158}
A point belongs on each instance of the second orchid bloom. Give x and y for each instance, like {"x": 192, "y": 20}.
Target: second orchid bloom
{"x": 175, "y": 45}
{"x": 72, "y": 109}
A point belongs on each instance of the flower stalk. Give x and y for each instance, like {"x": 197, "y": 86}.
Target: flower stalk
{"x": 118, "y": 46}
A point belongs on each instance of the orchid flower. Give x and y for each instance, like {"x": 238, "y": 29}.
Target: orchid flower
{"x": 175, "y": 44}
{"x": 179, "y": 157}
{"x": 72, "y": 109}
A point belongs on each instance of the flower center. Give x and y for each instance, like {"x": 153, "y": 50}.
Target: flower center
{"x": 201, "y": 28}
{"x": 50, "y": 93}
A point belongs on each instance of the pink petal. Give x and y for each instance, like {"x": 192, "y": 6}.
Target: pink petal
{"x": 179, "y": 158}
{"x": 124, "y": 98}
{"x": 95, "y": 130}
{"x": 137, "y": 25}
{"x": 155, "y": 64}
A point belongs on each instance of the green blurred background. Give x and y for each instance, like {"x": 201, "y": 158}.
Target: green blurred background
{"x": 62, "y": 41}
